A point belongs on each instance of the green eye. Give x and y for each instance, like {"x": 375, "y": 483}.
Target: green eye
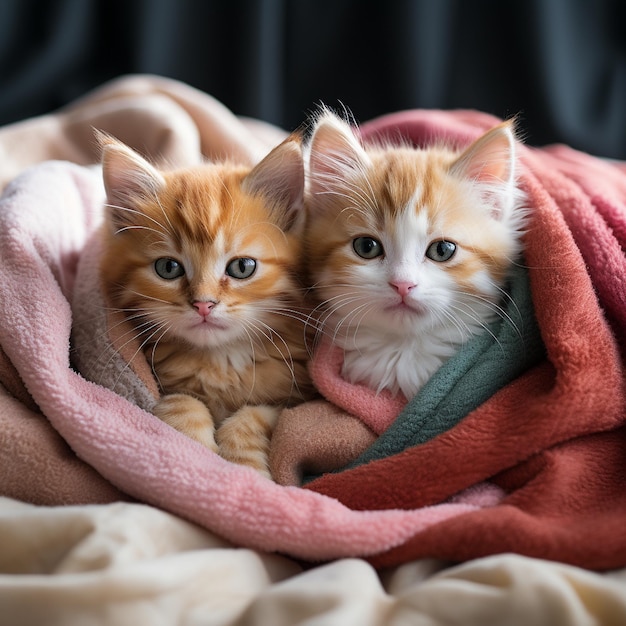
{"x": 367, "y": 247}
{"x": 241, "y": 268}
{"x": 441, "y": 251}
{"x": 168, "y": 269}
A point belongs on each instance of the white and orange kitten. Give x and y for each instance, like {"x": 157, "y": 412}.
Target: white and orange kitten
{"x": 408, "y": 249}
{"x": 204, "y": 262}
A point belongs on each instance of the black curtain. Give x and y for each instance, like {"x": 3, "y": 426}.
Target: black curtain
{"x": 559, "y": 64}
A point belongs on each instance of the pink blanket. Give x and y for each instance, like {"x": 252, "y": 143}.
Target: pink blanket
{"x": 551, "y": 444}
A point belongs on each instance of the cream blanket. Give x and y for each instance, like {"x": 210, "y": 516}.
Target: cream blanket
{"x": 129, "y": 564}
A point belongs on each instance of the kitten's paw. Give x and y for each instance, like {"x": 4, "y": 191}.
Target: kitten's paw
{"x": 244, "y": 437}
{"x": 189, "y": 416}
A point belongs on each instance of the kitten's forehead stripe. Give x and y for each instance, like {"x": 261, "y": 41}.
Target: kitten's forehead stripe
{"x": 206, "y": 202}
{"x": 405, "y": 178}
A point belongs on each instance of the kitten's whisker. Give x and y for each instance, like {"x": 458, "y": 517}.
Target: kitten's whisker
{"x": 352, "y": 187}
{"x": 133, "y": 327}
{"x": 155, "y": 327}
{"x": 141, "y": 214}
{"x": 253, "y": 354}
{"x": 136, "y": 333}
{"x": 137, "y": 227}
{"x": 367, "y": 307}
{"x": 268, "y": 335}
{"x": 348, "y": 207}
{"x": 132, "y": 331}
{"x": 351, "y": 197}
{"x": 147, "y": 297}
{"x": 331, "y": 308}
{"x": 104, "y": 334}
{"x": 333, "y": 300}
{"x": 344, "y": 298}
{"x": 445, "y": 318}
{"x": 153, "y": 351}
{"x": 351, "y": 315}
{"x": 469, "y": 313}
{"x": 170, "y": 230}
{"x": 334, "y": 305}
{"x": 271, "y": 225}
{"x": 307, "y": 320}
{"x": 322, "y": 285}
{"x": 234, "y": 208}
{"x": 104, "y": 308}
{"x": 147, "y": 324}
{"x": 498, "y": 310}
{"x": 288, "y": 360}
{"x": 293, "y": 314}
{"x": 509, "y": 298}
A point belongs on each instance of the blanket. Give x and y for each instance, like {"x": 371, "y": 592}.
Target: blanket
{"x": 536, "y": 467}
{"x": 129, "y": 564}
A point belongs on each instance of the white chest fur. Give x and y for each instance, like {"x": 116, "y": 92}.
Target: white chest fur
{"x": 399, "y": 364}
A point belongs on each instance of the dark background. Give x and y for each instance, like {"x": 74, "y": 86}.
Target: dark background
{"x": 561, "y": 64}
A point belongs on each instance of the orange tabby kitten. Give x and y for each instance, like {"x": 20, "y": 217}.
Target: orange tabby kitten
{"x": 408, "y": 249}
{"x": 203, "y": 261}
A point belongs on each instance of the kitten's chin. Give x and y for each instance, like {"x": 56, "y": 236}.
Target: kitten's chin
{"x": 405, "y": 316}
{"x": 208, "y": 335}
{"x": 404, "y": 309}
{"x": 395, "y": 322}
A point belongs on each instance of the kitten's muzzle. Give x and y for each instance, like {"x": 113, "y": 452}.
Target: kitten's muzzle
{"x": 402, "y": 287}
{"x": 204, "y": 308}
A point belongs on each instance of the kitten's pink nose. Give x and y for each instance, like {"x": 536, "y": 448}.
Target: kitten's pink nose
{"x": 204, "y": 308}
{"x": 402, "y": 286}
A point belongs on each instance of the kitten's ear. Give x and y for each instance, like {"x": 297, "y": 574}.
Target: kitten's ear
{"x": 279, "y": 177}
{"x": 491, "y": 162}
{"x": 128, "y": 179}
{"x": 334, "y": 154}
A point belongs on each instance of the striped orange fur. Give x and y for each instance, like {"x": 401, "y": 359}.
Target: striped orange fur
{"x": 204, "y": 262}
{"x": 378, "y": 218}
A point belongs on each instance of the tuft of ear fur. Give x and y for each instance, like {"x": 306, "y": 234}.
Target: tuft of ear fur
{"x": 279, "y": 178}
{"x": 128, "y": 177}
{"x": 334, "y": 154}
{"x": 491, "y": 163}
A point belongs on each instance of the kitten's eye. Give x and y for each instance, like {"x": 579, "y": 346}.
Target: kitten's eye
{"x": 441, "y": 251}
{"x": 367, "y": 247}
{"x": 168, "y": 269}
{"x": 241, "y": 268}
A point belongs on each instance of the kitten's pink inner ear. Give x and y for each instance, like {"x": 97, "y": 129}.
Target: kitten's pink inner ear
{"x": 491, "y": 158}
{"x": 127, "y": 175}
{"x": 280, "y": 178}
{"x": 335, "y": 153}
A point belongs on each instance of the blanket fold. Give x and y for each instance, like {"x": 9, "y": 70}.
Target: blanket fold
{"x": 516, "y": 446}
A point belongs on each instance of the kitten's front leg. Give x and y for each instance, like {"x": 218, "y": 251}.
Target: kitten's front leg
{"x": 189, "y": 416}
{"x": 244, "y": 437}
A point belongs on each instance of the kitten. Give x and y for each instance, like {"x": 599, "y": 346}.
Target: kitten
{"x": 408, "y": 249}
{"x": 204, "y": 261}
